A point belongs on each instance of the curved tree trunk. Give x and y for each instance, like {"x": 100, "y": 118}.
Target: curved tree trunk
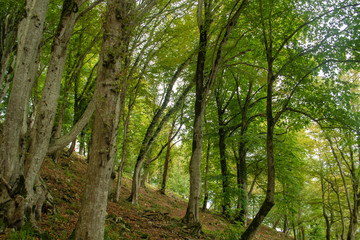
{"x": 270, "y": 191}
{"x": 155, "y": 128}
{"x": 63, "y": 141}
{"x": 30, "y": 34}
{"x": 167, "y": 159}
{"x": 41, "y": 132}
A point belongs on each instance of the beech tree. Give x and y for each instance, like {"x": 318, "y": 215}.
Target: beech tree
{"x": 203, "y": 83}
{"x": 29, "y": 36}
{"x": 117, "y": 31}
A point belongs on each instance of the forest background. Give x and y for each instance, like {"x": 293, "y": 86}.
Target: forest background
{"x": 247, "y": 108}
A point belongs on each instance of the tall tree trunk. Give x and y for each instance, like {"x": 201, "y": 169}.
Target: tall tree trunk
{"x": 123, "y": 157}
{"x": 58, "y": 130}
{"x": 126, "y": 123}
{"x": 242, "y": 184}
{"x": 192, "y": 218}
{"x": 206, "y": 190}
{"x": 326, "y": 217}
{"x": 225, "y": 204}
{"x": 117, "y": 31}
{"x": 30, "y": 34}
{"x": 294, "y": 231}
{"x": 203, "y": 87}
{"x": 167, "y": 159}
{"x": 82, "y": 143}
{"x": 9, "y": 23}
{"x": 354, "y": 212}
{"x": 41, "y": 133}
{"x": 285, "y": 227}
{"x": 29, "y": 37}
{"x": 270, "y": 191}
{"x": 154, "y": 129}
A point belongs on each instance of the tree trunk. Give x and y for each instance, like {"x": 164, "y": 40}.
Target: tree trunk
{"x": 59, "y": 126}
{"x": 224, "y": 169}
{"x": 167, "y": 159}
{"x": 145, "y": 174}
{"x": 192, "y": 218}
{"x": 294, "y": 231}
{"x": 126, "y": 123}
{"x": 276, "y": 223}
{"x": 123, "y": 158}
{"x": 71, "y": 148}
{"x": 41, "y": 133}
{"x": 242, "y": 184}
{"x": 203, "y": 87}
{"x": 270, "y": 192}
{"x": 9, "y": 23}
{"x": 152, "y": 132}
{"x": 29, "y": 37}
{"x": 326, "y": 217}
{"x": 285, "y": 227}
{"x": 63, "y": 141}
{"x": 91, "y": 221}
{"x": 206, "y": 191}
{"x": 82, "y": 143}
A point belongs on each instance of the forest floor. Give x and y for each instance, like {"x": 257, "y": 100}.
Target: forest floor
{"x": 156, "y": 217}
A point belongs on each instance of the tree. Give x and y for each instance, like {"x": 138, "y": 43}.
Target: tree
{"x": 205, "y": 17}
{"x": 281, "y": 60}
{"x": 30, "y": 33}
{"x": 41, "y": 132}
{"x": 117, "y": 31}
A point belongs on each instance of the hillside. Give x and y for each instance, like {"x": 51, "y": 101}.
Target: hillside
{"x": 156, "y": 217}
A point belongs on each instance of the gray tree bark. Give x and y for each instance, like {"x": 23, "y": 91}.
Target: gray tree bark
{"x": 29, "y": 37}
{"x": 101, "y": 159}
{"x": 30, "y": 34}
{"x": 41, "y": 132}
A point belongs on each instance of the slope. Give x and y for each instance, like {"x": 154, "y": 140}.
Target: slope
{"x": 157, "y": 216}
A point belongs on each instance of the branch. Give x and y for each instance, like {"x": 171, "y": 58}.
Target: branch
{"x": 62, "y": 142}
{"x": 82, "y": 13}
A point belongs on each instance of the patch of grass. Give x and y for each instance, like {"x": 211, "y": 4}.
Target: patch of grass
{"x": 68, "y": 173}
{"x": 57, "y": 218}
{"x": 233, "y": 231}
{"x": 70, "y": 212}
{"x": 143, "y": 235}
{"x": 27, "y": 232}
{"x": 112, "y": 233}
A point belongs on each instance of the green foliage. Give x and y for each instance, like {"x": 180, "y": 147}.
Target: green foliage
{"x": 316, "y": 232}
